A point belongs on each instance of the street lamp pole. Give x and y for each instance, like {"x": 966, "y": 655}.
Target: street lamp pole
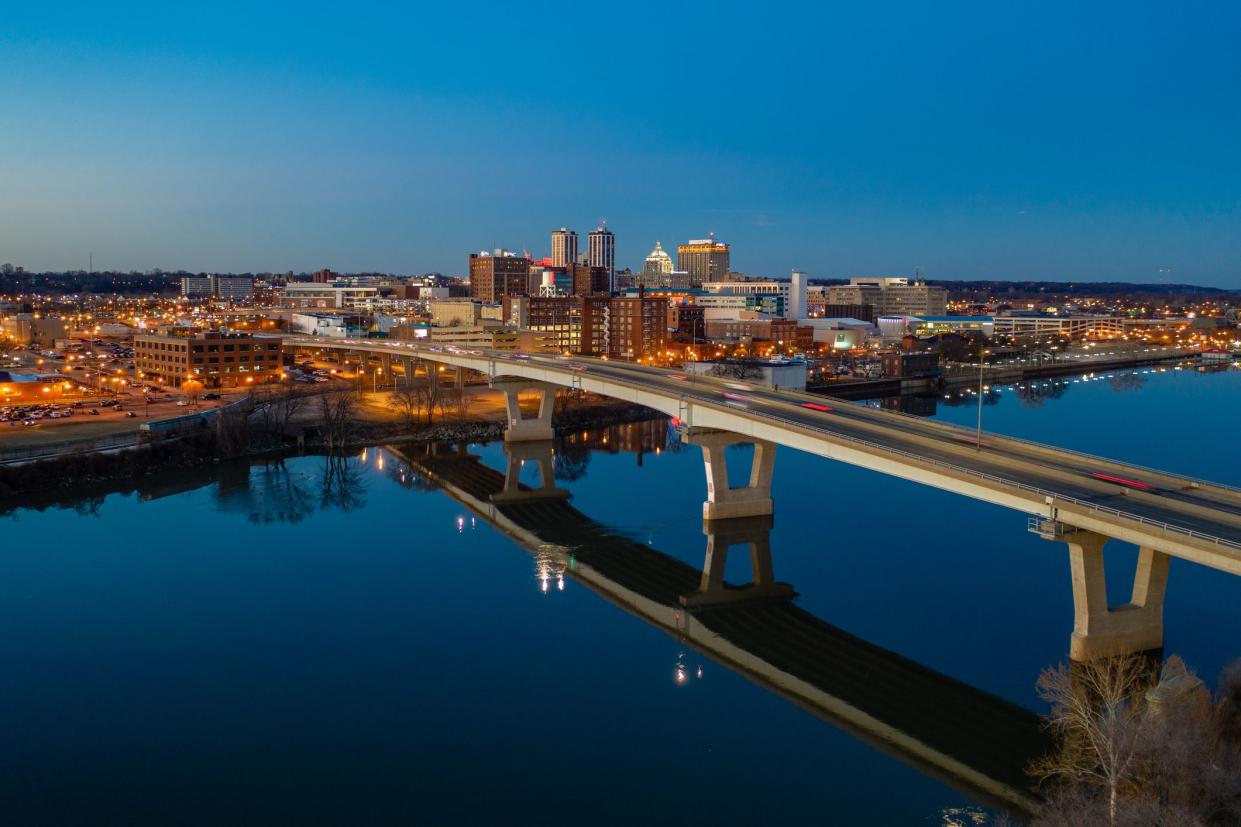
{"x": 978, "y": 439}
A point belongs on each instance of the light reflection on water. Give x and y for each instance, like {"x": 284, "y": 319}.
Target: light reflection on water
{"x": 281, "y": 639}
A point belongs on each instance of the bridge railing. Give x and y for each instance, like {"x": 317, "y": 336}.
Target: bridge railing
{"x": 1165, "y": 527}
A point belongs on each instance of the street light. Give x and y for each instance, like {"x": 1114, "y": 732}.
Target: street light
{"x": 981, "y": 362}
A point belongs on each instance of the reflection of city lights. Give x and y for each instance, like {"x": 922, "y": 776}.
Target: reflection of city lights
{"x": 460, "y": 524}
{"x": 560, "y": 582}
{"x": 379, "y": 461}
{"x": 544, "y": 585}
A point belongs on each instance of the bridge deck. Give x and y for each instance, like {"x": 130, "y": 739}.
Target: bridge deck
{"x": 1200, "y": 521}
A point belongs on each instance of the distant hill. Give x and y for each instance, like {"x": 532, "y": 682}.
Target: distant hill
{"x": 1078, "y": 288}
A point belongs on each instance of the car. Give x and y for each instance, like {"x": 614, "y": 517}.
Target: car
{"x": 211, "y": 396}
{"x": 1124, "y": 481}
{"x": 681, "y": 377}
{"x": 578, "y": 366}
{"x": 130, "y": 414}
{"x": 181, "y": 403}
{"x": 737, "y": 400}
{"x": 815, "y": 406}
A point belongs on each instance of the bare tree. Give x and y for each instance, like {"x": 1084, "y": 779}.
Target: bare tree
{"x": 336, "y": 410}
{"x": 281, "y": 407}
{"x": 406, "y": 399}
{"x": 430, "y": 394}
{"x": 1097, "y": 710}
{"x": 736, "y": 369}
{"x": 1133, "y": 754}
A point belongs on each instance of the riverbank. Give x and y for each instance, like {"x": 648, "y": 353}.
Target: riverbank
{"x": 992, "y": 374}
{"x": 75, "y": 474}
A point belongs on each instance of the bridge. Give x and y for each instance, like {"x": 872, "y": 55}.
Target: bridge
{"x": 971, "y": 740}
{"x": 1079, "y": 500}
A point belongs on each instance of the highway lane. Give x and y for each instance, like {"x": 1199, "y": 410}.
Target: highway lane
{"x": 1209, "y": 509}
{"x": 1068, "y": 477}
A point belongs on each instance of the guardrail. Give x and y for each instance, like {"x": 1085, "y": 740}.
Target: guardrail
{"x": 69, "y": 446}
{"x": 1165, "y": 527}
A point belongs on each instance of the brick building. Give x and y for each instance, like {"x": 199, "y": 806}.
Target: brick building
{"x": 217, "y": 359}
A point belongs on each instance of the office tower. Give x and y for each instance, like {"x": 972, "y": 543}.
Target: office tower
{"x": 564, "y": 247}
{"x": 705, "y": 259}
{"x": 603, "y": 250}
{"x": 797, "y": 297}
{"x": 496, "y": 275}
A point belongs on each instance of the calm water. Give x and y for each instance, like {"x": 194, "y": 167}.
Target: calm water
{"x": 326, "y": 643}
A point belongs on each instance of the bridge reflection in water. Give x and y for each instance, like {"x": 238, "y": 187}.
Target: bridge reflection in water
{"x": 973, "y": 741}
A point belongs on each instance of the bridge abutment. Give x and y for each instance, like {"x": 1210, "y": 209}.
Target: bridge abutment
{"x": 724, "y": 502}
{"x": 1101, "y": 630}
{"x": 533, "y": 429}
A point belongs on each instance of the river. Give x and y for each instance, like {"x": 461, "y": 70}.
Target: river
{"x": 319, "y": 642}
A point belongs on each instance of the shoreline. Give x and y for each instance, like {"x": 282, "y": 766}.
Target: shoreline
{"x": 75, "y": 477}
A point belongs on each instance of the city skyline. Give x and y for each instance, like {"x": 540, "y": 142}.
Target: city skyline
{"x": 1058, "y": 143}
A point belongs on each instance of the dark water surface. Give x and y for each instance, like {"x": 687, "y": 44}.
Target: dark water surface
{"x": 327, "y": 642}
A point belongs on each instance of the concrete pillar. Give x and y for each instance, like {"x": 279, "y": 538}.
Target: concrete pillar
{"x": 1100, "y": 630}
{"x": 535, "y": 428}
{"x": 724, "y": 502}
{"x": 722, "y": 535}
{"x": 460, "y": 378}
{"x": 517, "y": 454}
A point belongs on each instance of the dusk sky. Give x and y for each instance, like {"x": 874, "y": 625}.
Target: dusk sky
{"x": 1066, "y": 141}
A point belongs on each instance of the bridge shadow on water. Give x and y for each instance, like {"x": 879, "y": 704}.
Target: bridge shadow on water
{"x": 970, "y": 740}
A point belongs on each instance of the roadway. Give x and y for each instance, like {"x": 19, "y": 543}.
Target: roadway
{"x": 1192, "y": 519}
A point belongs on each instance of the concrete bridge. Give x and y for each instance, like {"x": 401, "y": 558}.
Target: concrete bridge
{"x": 971, "y": 740}
{"x": 1072, "y": 498}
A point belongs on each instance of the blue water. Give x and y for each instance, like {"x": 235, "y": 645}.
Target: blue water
{"x": 289, "y": 645}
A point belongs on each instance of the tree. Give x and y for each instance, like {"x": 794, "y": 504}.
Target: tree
{"x": 192, "y": 389}
{"x": 280, "y": 407}
{"x": 1133, "y": 751}
{"x": 405, "y": 400}
{"x": 1097, "y": 711}
{"x": 736, "y": 369}
{"x": 336, "y": 410}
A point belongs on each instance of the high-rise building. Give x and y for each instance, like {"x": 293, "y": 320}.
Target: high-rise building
{"x": 232, "y": 288}
{"x": 797, "y": 297}
{"x": 705, "y": 259}
{"x": 564, "y": 247}
{"x": 602, "y": 251}
{"x": 195, "y": 287}
{"x": 493, "y": 276}
{"x": 658, "y": 262}
{"x": 590, "y": 281}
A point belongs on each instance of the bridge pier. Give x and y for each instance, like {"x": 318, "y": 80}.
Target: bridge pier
{"x": 517, "y": 454}
{"x": 724, "y": 502}
{"x": 532, "y": 429}
{"x": 722, "y": 535}
{"x": 1100, "y": 630}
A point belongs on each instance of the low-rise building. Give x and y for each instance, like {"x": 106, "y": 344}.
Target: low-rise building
{"x": 215, "y": 358}
{"x": 325, "y": 296}
{"x": 33, "y": 329}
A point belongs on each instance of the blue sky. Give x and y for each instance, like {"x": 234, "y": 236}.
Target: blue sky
{"x": 992, "y": 140}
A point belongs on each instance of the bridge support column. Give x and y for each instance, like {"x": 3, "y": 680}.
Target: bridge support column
{"x": 535, "y": 428}
{"x": 517, "y": 455}
{"x": 1100, "y": 630}
{"x": 724, "y": 502}
{"x": 722, "y": 535}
